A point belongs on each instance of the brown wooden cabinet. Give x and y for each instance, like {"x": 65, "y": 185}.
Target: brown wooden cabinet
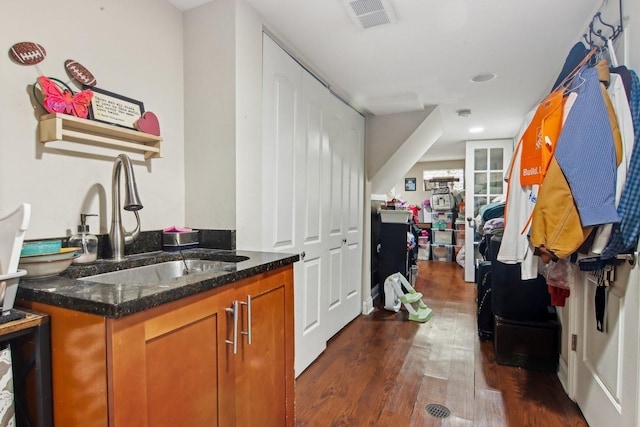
{"x": 174, "y": 364}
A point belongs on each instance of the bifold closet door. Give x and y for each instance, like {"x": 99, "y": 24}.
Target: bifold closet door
{"x": 312, "y": 191}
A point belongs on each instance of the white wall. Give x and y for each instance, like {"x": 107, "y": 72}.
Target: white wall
{"x": 134, "y": 48}
{"x": 414, "y": 147}
{"x": 223, "y": 118}
{"x": 385, "y": 134}
{"x": 210, "y": 122}
{"x": 632, "y": 33}
{"x": 418, "y": 196}
{"x": 249, "y": 129}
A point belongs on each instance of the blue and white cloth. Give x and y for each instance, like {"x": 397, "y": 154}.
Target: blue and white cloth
{"x": 625, "y": 234}
{"x": 586, "y": 152}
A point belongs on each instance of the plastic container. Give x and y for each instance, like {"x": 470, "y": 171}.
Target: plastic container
{"x": 414, "y": 275}
{"x": 424, "y": 252}
{"x": 395, "y": 216}
{"x": 87, "y": 242}
{"x": 443, "y": 237}
{"x": 459, "y": 237}
{"x": 442, "y": 253}
{"x": 446, "y": 218}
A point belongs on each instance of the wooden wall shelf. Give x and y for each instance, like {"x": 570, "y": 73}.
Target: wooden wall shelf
{"x": 63, "y": 127}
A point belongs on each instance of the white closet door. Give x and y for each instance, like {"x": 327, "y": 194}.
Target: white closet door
{"x": 281, "y": 96}
{"x": 293, "y": 158}
{"x": 354, "y": 214}
{"x": 345, "y": 215}
{"x": 311, "y": 274}
{"x": 312, "y": 191}
{"x": 604, "y": 366}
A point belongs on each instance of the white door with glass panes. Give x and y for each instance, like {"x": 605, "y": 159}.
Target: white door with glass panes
{"x": 485, "y": 166}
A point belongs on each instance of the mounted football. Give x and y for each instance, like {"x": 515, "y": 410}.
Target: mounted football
{"x": 27, "y": 53}
{"x": 79, "y": 72}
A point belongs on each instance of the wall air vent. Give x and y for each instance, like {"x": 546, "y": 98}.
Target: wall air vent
{"x": 370, "y": 13}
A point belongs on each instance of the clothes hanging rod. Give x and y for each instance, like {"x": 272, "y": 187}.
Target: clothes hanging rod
{"x": 632, "y": 258}
{"x": 313, "y": 74}
{"x": 595, "y": 35}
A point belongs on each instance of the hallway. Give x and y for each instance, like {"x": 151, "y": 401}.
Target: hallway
{"x": 382, "y": 370}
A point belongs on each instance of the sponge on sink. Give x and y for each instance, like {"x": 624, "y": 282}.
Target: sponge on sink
{"x": 174, "y": 229}
{"x": 174, "y": 238}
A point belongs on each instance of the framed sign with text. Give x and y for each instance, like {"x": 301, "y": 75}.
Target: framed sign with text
{"x": 109, "y": 107}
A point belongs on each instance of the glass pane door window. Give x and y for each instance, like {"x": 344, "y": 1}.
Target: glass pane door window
{"x": 485, "y": 164}
{"x": 488, "y": 176}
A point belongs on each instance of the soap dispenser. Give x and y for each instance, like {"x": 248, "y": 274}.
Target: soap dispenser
{"x": 88, "y": 243}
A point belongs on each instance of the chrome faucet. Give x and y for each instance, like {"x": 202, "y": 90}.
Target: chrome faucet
{"x": 118, "y": 236}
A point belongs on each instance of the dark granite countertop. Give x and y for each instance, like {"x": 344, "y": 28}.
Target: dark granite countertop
{"x": 121, "y": 300}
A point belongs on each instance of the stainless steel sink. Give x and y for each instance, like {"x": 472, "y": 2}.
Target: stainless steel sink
{"x": 162, "y": 272}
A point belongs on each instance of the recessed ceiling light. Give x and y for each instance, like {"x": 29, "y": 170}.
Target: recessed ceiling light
{"x": 476, "y": 129}
{"x": 483, "y": 77}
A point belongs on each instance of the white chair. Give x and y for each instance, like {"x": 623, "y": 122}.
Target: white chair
{"x": 12, "y": 229}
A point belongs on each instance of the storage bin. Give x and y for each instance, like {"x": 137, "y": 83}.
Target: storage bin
{"x": 448, "y": 218}
{"x": 424, "y": 252}
{"x": 438, "y": 224}
{"x": 443, "y": 237}
{"x": 527, "y": 344}
{"x": 442, "y": 252}
{"x": 423, "y": 241}
{"x": 459, "y": 237}
{"x": 394, "y": 216}
{"x": 459, "y": 224}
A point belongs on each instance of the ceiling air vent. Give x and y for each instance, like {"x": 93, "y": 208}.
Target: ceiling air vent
{"x": 370, "y": 13}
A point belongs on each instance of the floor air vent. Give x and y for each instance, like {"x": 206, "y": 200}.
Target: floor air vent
{"x": 438, "y": 411}
{"x": 370, "y": 13}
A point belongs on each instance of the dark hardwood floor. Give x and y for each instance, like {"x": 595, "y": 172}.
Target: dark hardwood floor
{"x": 383, "y": 370}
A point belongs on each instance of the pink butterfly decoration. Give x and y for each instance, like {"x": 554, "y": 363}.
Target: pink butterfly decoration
{"x": 64, "y": 101}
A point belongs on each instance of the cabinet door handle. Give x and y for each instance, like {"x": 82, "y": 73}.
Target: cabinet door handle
{"x": 234, "y": 342}
{"x": 248, "y": 332}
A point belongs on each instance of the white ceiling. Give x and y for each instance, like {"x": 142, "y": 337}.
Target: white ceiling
{"x": 429, "y": 55}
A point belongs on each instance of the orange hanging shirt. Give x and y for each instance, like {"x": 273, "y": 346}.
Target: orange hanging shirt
{"x": 539, "y": 140}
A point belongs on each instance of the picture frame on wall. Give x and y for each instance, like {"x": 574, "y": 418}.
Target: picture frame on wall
{"x": 410, "y": 184}
{"x": 114, "y": 109}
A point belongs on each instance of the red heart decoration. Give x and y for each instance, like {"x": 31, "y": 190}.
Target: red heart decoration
{"x": 148, "y": 123}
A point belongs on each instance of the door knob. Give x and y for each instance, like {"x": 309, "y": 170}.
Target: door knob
{"x": 302, "y": 255}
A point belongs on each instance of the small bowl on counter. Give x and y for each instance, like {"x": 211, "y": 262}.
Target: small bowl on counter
{"x": 48, "y": 264}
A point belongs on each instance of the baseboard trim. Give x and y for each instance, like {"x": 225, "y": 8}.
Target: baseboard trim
{"x": 367, "y": 305}
{"x": 563, "y": 374}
